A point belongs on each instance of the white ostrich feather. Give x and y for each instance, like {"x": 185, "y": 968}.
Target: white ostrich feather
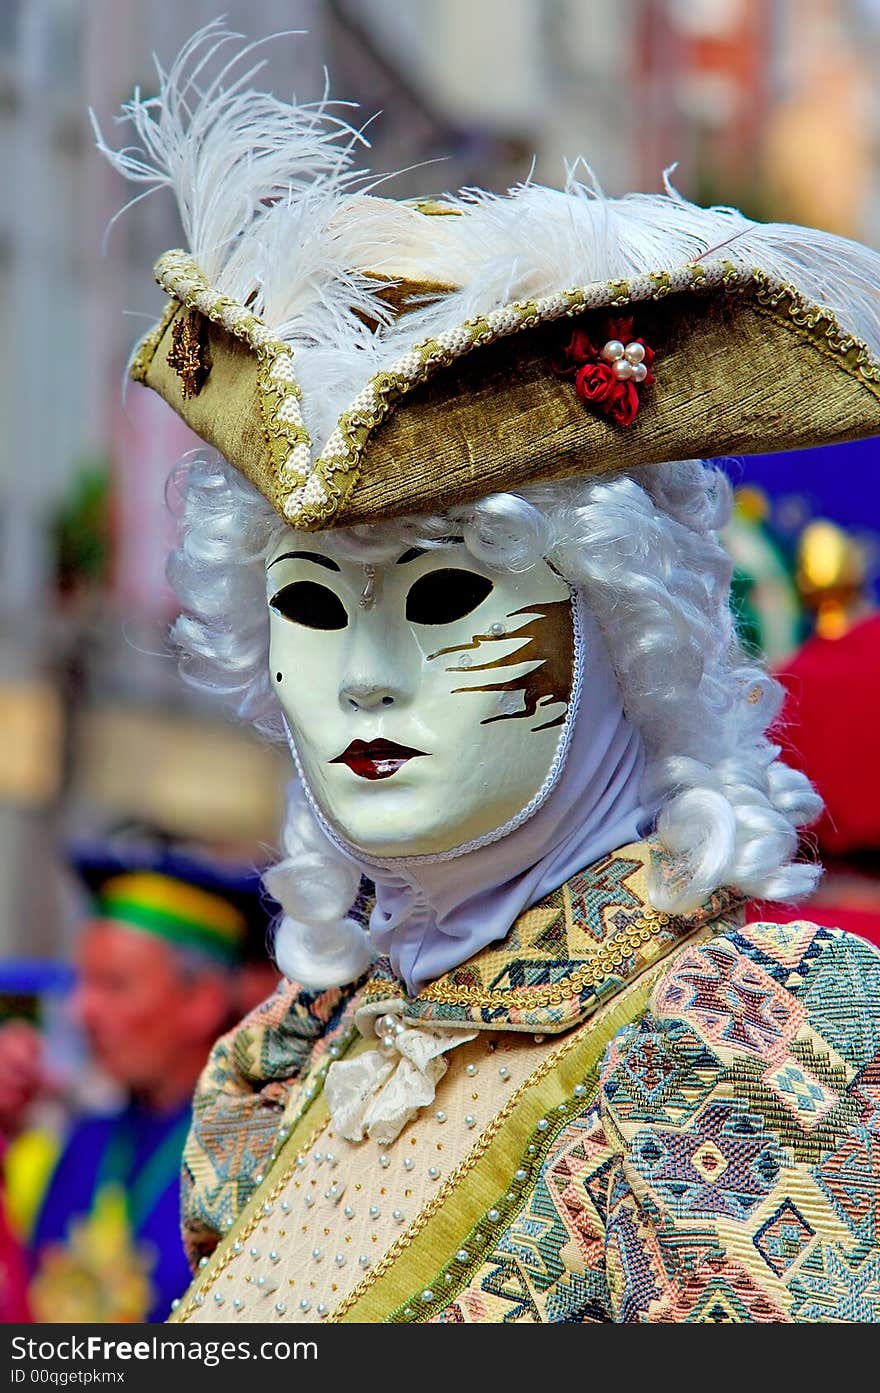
{"x": 276, "y": 214}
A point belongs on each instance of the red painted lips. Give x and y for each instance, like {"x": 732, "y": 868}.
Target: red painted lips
{"x": 376, "y": 759}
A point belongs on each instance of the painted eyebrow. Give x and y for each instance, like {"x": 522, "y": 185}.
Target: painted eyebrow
{"x": 304, "y": 556}
{"x": 415, "y": 552}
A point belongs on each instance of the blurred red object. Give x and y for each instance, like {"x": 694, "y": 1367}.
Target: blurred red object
{"x": 830, "y": 730}
{"x": 13, "y": 1277}
{"x": 855, "y": 919}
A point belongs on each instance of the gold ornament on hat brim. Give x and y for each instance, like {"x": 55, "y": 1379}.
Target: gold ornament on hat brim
{"x": 745, "y": 365}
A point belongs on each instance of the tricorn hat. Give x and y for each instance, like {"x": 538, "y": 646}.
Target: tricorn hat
{"x": 359, "y": 358}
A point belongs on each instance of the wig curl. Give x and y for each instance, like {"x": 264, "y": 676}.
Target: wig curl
{"x": 645, "y": 552}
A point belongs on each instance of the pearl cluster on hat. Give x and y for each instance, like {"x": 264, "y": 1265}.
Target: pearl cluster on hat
{"x": 627, "y": 360}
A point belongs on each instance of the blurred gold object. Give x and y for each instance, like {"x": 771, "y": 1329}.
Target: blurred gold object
{"x": 99, "y": 1275}
{"x": 831, "y": 577}
{"x": 751, "y": 503}
{"x": 32, "y": 722}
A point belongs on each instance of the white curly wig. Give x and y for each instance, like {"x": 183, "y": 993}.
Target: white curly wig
{"x": 644, "y": 550}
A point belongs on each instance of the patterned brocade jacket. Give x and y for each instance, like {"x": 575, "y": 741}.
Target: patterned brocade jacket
{"x": 658, "y": 1118}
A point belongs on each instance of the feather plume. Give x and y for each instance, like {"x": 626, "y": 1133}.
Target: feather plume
{"x": 274, "y": 208}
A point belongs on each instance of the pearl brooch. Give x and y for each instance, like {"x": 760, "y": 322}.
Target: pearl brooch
{"x": 627, "y": 361}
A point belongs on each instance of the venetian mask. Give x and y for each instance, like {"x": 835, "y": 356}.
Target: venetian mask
{"x": 426, "y": 696}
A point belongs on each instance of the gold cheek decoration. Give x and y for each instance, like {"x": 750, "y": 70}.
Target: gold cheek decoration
{"x": 549, "y": 645}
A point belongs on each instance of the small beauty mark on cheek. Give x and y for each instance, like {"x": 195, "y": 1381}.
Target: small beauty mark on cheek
{"x": 549, "y": 643}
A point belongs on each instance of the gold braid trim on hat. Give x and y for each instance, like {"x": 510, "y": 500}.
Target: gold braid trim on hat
{"x": 280, "y": 394}
{"x": 311, "y": 495}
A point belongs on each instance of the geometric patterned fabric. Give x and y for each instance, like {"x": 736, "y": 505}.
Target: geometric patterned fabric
{"x": 728, "y": 1166}
{"x": 720, "y": 1163}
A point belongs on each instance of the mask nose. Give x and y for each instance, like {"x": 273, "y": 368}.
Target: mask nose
{"x": 364, "y": 695}
{"x": 381, "y": 667}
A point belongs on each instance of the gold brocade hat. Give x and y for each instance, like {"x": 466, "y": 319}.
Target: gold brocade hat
{"x": 357, "y": 358}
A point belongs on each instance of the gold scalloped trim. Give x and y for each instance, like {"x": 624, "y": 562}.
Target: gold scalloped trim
{"x": 624, "y": 944}
{"x": 147, "y": 349}
{"x": 279, "y": 392}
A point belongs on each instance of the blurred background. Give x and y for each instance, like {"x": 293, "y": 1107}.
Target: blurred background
{"x": 771, "y": 105}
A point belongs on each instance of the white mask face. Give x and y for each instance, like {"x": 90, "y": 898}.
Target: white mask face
{"x": 426, "y": 696}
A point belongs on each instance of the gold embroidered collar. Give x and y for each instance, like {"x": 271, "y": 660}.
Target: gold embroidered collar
{"x": 566, "y": 955}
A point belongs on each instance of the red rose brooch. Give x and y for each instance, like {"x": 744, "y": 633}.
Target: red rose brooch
{"x": 608, "y": 377}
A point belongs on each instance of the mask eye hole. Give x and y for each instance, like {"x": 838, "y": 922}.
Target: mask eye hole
{"x": 441, "y": 597}
{"x": 312, "y": 605}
